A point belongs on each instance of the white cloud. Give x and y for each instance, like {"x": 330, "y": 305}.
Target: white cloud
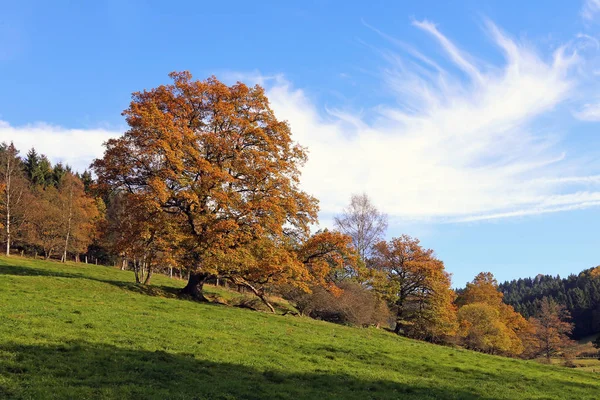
{"x": 455, "y": 149}
{"x": 457, "y": 56}
{"x": 590, "y": 9}
{"x": 458, "y": 146}
{"x": 76, "y": 147}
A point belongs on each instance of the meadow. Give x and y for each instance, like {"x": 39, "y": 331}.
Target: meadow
{"x": 77, "y": 331}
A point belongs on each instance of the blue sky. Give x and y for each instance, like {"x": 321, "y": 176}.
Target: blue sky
{"x": 473, "y": 124}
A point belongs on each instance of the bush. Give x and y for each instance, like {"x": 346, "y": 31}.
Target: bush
{"x": 355, "y": 305}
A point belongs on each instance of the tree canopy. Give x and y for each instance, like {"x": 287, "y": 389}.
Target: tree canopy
{"x": 416, "y": 283}
{"x": 218, "y": 156}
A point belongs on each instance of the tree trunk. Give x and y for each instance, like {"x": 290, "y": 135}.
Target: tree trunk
{"x": 136, "y": 270}
{"x": 8, "y": 231}
{"x": 259, "y": 293}
{"x": 8, "y": 205}
{"x": 399, "y": 319}
{"x": 148, "y": 275}
{"x": 13, "y": 193}
{"x": 195, "y": 286}
{"x": 64, "y": 257}
{"x": 264, "y": 300}
{"x": 69, "y": 222}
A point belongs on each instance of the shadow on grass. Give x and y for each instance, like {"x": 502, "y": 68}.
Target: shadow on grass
{"x": 85, "y": 370}
{"x": 461, "y": 371}
{"x": 151, "y": 290}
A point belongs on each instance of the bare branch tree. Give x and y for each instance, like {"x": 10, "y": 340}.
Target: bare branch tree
{"x": 13, "y": 187}
{"x": 362, "y": 221}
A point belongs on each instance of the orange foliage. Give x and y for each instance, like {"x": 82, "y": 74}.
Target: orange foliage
{"x": 63, "y": 219}
{"x": 415, "y": 281}
{"x": 217, "y": 156}
{"x": 329, "y": 257}
{"x": 80, "y": 215}
{"x": 551, "y": 329}
{"x": 488, "y": 324}
{"x": 142, "y": 234}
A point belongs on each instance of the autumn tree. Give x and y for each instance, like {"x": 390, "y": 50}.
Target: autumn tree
{"x": 79, "y": 214}
{"x": 353, "y": 304}
{"x": 14, "y": 188}
{"x": 483, "y": 289}
{"x": 141, "y": 234}
{"x": 415, "y": 283}
{"x": 217, "y": 156}
{"x": 486, "y": 323}
{"x": 364, "y": 223}
{"x": 62, "y": 219}
{"x": 481, "y": 328}
{"x": 333, "y": 291}
{"x": 551, "y": 329}
{"x": 272, "y": 263}
{"x": 263, "y": 264}
{"x": 329, "y": 257}
{"x": 45, "y": 222}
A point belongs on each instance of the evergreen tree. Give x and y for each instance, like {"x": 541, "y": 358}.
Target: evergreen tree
{"x": 580, "y": 294}
{"x": 58, "y": 174}
{"x": 45, "y": 176}
{"x": 87, "y": 180}
{"x": 32, "y": 166}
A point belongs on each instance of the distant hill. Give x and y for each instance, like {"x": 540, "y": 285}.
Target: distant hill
{"x": 579, "y": 293}
{"x": 77, "y": 331}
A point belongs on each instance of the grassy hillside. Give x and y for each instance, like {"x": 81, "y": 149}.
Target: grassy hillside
{"x": 82, "y": 331}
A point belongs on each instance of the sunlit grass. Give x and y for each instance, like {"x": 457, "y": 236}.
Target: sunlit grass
{"x": 80, "y": 331}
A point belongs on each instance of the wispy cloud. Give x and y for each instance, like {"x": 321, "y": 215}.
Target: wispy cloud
{"x": 589, "y": 112}
{"x": 456, "y": 55}
{"x": 456, "y": 149}
{"x": 463, "y": 143}
{"x": 590, "y": 9}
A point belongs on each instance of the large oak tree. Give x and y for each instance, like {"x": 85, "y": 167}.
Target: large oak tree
{"x": 218, "y": 156}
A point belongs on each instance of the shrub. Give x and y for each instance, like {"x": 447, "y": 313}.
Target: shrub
{"x": 355, "y": 305}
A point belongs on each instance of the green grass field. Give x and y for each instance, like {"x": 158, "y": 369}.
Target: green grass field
{"x": 79, "y": 331}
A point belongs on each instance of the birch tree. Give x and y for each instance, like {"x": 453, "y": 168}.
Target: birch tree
{"x": 364, "y": 223}
{"x": 14, "y": 188}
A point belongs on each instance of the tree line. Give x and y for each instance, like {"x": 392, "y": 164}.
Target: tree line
{"x": 579, "y": 294}
{"x": 206, "y": 183}
{"x": 45, "y": 209}
{"x": 416, "y": 290}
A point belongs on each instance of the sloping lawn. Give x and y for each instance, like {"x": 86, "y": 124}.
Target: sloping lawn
{"x": 79, "y": 331}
